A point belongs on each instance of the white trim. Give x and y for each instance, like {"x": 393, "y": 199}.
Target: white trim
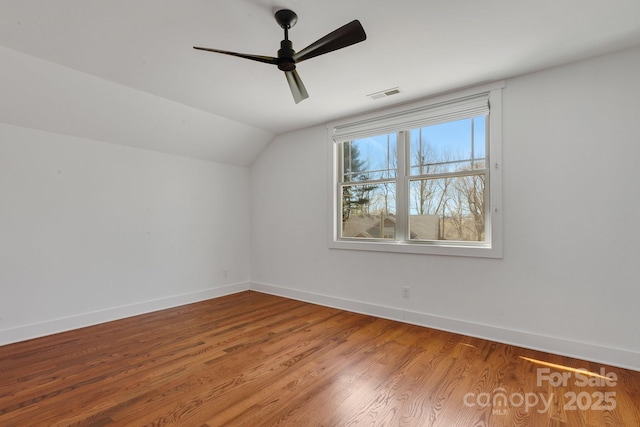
{"x": 55, "y": 326}
{"x": 494, "y": 228}
{"x": 606, "y": 355}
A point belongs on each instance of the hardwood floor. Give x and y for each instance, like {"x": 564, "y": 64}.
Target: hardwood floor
{"x": 251, "y": 359}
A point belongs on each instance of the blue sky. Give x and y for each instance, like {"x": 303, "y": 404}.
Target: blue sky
{"x": 451, "y": 140}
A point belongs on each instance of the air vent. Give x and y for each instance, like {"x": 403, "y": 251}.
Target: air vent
{"x": 384, "y": 93}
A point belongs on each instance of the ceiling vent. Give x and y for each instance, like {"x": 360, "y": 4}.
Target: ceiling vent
{"x": 384, "y": 93}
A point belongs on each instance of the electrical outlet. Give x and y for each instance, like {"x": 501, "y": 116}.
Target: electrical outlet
{"x": 406, "y": 292}
{"x": 226, "y": 273}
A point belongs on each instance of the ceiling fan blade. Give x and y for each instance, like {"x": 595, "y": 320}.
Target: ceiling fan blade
{"x": 344, "y": 36}
{"x": 259, "y": 58}
{"x": 298, "y": 90}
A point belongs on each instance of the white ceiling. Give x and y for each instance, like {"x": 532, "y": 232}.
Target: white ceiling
{"x": 423, "y": 47}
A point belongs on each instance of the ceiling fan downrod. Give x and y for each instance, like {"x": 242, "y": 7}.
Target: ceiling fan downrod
{"x": 286, "y": 19}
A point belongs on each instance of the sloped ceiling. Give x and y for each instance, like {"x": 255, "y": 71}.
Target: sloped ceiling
{"x": 125, "y": 71}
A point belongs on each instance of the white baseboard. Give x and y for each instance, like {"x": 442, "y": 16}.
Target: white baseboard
{"x": 590, "y": 352}
{"x": 36, "y": 330}
{"x": 605, "y": 355}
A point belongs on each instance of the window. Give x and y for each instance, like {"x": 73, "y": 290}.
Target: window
{"x": 422, "y": 179}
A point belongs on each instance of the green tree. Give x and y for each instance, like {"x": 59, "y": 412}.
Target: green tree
{"x": 355, "y": 198}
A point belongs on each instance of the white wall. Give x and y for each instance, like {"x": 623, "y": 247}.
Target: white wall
{"x": 92, "y": 231}
{"x": 568, "y": 282}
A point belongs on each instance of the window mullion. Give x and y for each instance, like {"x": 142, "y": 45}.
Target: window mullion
{"x": 402, "y": 186}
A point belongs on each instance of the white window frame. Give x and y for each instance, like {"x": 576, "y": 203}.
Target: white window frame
{"x": 389, "y": 121}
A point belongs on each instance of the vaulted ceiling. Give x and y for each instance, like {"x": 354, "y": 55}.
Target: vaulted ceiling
{"x": 125, "y": 71}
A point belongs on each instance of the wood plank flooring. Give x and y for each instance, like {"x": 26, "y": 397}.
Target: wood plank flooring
{"x": 252, "y": 359}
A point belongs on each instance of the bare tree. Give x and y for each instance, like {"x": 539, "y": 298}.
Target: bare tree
{"x": 430, "y": 193}
{"x": 473, "y": 189}
{"x": 458, "y": 201}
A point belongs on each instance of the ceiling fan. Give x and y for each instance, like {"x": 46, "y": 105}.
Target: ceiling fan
{"x": 287, "y": 58}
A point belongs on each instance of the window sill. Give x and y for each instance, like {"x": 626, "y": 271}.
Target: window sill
{"x": 478, "y": 251}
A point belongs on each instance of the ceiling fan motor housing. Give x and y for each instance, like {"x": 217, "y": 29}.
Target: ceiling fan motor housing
{"x": 285, "y": 56}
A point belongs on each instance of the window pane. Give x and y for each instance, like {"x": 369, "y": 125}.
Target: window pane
{"x": 369, "y": 211}
{"x": 479, "y": 139}
{"x": 370, "y": 158}
{"x": 448, "y": 147}
{"x": 448, "y": 208}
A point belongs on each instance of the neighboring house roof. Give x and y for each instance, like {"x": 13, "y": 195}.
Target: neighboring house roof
{"x": 423, "y": 227}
